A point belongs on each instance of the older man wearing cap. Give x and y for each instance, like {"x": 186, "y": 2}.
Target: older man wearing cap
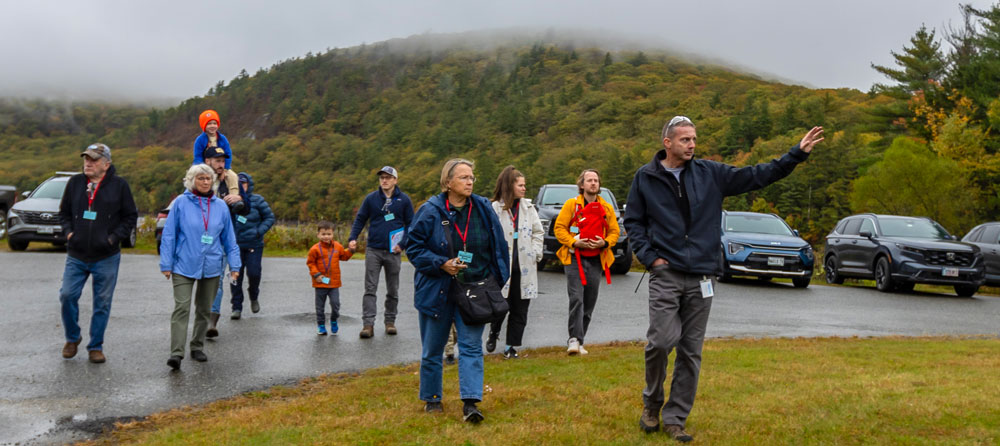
{"x": 388, "y": 212}
{"x": 97, "y": 211}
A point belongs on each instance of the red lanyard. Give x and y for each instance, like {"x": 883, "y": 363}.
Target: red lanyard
{"x": 90, "y": 199}
{"x": 468, "y": 219}
{"x": 205, "y": 214}
{"x": 513, "y": 219}
{"x": 329, "y": 261}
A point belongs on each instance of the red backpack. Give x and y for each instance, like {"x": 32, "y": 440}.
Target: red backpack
{"x": 592, "y": 222}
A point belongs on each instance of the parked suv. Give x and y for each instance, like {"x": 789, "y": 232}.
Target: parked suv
{"x": 987, "y": 237}
{"x": 899, "y": 252}
{"x": 763, "y": 246}
{"x": 549, "y": 201}
{"x": 36, "y": 218}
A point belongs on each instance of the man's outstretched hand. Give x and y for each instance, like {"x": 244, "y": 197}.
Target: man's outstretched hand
{"x": 814, "y": 136}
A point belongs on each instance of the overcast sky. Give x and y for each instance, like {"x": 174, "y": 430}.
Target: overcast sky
{"x": 177, "y": 49}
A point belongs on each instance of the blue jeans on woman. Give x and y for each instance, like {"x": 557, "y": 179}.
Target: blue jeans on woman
{"x": 434, "y": 335}
{"x": 217, "y": 303}
{"x": 105, "y": 273}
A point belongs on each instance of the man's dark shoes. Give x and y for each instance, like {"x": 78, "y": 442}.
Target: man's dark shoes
{"x": 175, "y": 362}
{"x": 236, "y": 315}
{"x": 96, "y": 357}
{"x": 491, "y": 342}
{"x": 471, "y": 414}
{"x": 255, "y": 306}
{"x": 69, "y": 350}
{"x": 433, "y": 407}
{"x": 198, "y": 355}
{"x": 676, "y": 432}
{"x": 649, "y": 421}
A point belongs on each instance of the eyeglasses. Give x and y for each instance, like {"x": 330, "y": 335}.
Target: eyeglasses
{"x": 469, "y": 178}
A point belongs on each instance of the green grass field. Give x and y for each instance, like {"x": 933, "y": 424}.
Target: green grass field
{"x": 831, "y": 391}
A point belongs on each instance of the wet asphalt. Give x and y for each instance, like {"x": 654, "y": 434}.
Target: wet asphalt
{"x": 45, "y": 399}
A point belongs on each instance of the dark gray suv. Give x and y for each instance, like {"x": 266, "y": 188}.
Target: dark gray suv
{"x": 987, "y": 237}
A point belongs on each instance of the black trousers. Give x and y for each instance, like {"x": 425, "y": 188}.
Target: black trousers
{"x": 517, "y": 318}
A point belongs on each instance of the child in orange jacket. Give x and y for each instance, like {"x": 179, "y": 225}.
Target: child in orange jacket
{"x": 324, "y": 266}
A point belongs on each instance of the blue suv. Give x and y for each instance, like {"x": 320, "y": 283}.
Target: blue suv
{"x": 763, "y": 246}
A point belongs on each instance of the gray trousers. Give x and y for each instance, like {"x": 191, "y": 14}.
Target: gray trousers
{"x": 183, "y": 286}
{"x": 375, "y": 260}
{"x": 582, "y": 299}
{"x": 678, "y": 316}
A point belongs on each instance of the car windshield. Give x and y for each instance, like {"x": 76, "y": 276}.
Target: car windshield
{"x": 911, "y": 227}
{"x": 757, "y": 224}
{"x": 50, "y": 189}
{"x": 557, "y": 196}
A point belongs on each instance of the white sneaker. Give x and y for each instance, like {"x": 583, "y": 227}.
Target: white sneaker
{"x": 574, "y": 347}
{"x": 583, "y": 351}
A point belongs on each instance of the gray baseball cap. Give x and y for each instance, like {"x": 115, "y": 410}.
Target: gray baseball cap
{"x": 389, "y": 170}
{"x": 97, "y": 150}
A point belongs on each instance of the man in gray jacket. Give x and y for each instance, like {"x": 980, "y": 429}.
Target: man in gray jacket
{"x": 673, "y": 221}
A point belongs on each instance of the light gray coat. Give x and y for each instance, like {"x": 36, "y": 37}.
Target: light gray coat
{"x": 529, "y": 246}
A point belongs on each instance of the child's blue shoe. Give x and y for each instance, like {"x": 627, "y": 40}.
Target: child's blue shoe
{"x": 322, "y": 330}
{"x": 333, "y": 326}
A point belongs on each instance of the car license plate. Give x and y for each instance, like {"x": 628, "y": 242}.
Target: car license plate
{"x": 949, "y": 272}
{"x": 775, "y": 261}
{"x": 46, "y": 230}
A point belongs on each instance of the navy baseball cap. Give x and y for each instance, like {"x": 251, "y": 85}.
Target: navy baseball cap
{"x": 389, "y": 170}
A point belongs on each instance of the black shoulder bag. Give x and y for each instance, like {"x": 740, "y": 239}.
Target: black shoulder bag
{"x": 478, "y": 302}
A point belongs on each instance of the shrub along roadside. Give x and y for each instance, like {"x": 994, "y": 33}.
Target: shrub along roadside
{"x": 753, "y": 391}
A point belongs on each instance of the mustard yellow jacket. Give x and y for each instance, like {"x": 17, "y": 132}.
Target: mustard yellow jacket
{"x": 562, "y": 232}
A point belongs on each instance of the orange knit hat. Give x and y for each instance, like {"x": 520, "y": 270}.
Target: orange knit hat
{"x": 208, "y": 115}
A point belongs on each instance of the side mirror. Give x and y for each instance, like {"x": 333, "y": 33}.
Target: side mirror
{"x": 865, "y": 234}
{"x": 796, "y": 232}
{"x": 26, "y": 193}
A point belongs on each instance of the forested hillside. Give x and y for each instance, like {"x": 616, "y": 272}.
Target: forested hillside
{"x": 313, "y": 130}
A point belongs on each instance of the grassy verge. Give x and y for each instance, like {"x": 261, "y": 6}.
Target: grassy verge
{"x": 933, "y": 391}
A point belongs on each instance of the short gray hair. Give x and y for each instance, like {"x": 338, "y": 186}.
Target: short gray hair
{"x": 676, "y": 121}
{"x": 448, "y": 171}
{"x": 194, "y": 171}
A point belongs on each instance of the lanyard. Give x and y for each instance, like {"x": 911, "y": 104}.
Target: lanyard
{"x": 329, "y": 261}
{"x": 205, "y": 214}
{"x": 90, "y": 198}
{"x": 513, "y": 218}
{"x": 468, "y": 219}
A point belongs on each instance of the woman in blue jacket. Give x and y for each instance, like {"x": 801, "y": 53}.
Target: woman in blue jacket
{"x": 453, "y": 222}
{"x": 196, "y": 232}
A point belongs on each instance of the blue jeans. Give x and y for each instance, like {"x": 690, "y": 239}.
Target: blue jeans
{"x": 251, "y": 259}
{"x": 105, "y": 273}
{"x": 217, "y": 303}
{"x": 321, "y": 296}
{"x": 434, "y": 335}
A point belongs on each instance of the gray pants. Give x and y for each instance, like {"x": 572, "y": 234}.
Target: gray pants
{"x": 182, "y": 311}
{"x": 678, "y": 316}
{"x": 582, "y": 299}
{"x": 375, "y": 260}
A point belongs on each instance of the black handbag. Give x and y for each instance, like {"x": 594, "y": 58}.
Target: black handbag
{"x": 478, "y": 302}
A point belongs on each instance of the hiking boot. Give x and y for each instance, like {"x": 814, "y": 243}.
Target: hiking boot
{"x": 471, "y": 414}
{"x": 69, "y": 350}
{"x": 334, "y": 328}
{"x": 175, "y": 362}
{"x": 649, "y": 421}
{"x": 449, "y": 359}
{"x": 491, "y": 342}
{"x": 213, "y": 322}
{"x": 433, "y": 407}
{"x": 583, "y": 351}
{"x": 236, "y": 315}
{"x": 676, "y": 432}
{"x": 390, "y": 328}
{"x": 96, "y": 356}
{"x": 510, "y": 353}
{"x": 367, "y": 332}
{"x": 255, "y": 306}
{"x": 574, "y": 347}
{"x": 198, "y": 355}
{"x": 321, "y": 330}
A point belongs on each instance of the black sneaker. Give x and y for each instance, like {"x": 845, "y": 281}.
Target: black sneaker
{"x": 433, "y": 407}
{"x": 255, "y": 306}
{"x": 510, "y": 353}
{"x": 236, "y": 315}
{"x": 471, "y": 414}
{"x": 491, "y": 342}
{"x": 175, "y": 362}
{"x": 198, "y": 355}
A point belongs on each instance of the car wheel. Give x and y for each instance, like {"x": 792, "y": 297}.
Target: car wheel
{"x": 17, "y": 245}
{"x": 966, "y": 290}
{"x": 883, "y": 276}
{"x": 832, "y": 276}
{"x": 130, "y": 241}
{"x": 3, "y": 223}
{"x": 801, "y": 282}
{"x": 724, "y": 274}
